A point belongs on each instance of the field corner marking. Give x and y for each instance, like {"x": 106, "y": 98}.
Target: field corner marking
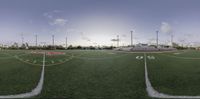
{"x": 34, "y": 92}
{"x": 155, "y": 94}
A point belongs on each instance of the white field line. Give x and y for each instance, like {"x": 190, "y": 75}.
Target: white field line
{"x": 180, "y": 57}
{"x": 36, "y": 91}
{"x": 146, "y": 52}
{"x": 155, "y": 94}
{"x": 98, "y": 58}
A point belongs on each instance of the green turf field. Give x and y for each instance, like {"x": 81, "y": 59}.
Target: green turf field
{"x": 99, "y": 74}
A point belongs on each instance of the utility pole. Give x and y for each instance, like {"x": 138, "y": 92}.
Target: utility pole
{"x": 131, "y": 38}
{"x": 157, "y": 39}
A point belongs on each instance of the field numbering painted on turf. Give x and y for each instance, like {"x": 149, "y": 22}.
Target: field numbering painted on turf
{"x": 139, "y": 57}
{"x": 150, "y": 57}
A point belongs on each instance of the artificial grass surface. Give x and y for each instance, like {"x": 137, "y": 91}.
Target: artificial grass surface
{"x": 99, "y": 74}
{"x": 17, "y": 77}
{"x": 174, "y": 76}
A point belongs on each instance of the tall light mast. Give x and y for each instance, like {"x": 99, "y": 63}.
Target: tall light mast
{"x": 53, "y": 40}
{"x": 131, "y": 38}
{"x": 157, "y": 39}
{"x": 36, "y": 40}
{"x": 66, "y": 42}
{"x": 172, "y": 39}
{"x": 117, "y": 40}
{"x": 22, "y": 38}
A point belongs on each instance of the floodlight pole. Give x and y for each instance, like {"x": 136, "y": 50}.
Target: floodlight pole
{"x": 117, "y": 40}
{"x": 36, "y": 40}
{"x": 22, "y": 37}
{"x": 131, "y": 38}
{"x": 53, "y": 40}
{"x": 66, "y": 42}
{"x": 172, "y": 39}
{"x": 157, "y": 39}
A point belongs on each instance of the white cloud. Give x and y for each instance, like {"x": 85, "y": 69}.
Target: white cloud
{"x": 48, "y": 15}
{"x": 59, "y": 22}
{"x": 57, "y": 11}
{"x": 55, "y": 18}
{"x": 84, "y": 37}
{"x": 166, "y": 28}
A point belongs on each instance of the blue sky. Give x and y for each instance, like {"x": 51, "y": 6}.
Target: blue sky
{"x": 96, "y": 22}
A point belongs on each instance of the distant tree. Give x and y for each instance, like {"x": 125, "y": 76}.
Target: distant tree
{"x": 175, "y": 44}
{"x": 70, "y": 47}
{"x": 27, "y": 46}
{"x": 14, "y": 46}
{"x": 92, "y": 48}
{"x": 60, "y": 47}
{"x": 23, "y": 46}
{"x": 79, "y": 47}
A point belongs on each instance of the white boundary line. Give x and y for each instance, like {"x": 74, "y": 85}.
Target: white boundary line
{"x": 36, "y": 91}
{"x": 155, "y": 94}
{"x": 180, "y": 57}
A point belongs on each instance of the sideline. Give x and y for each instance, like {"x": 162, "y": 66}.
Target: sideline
{"x": 36, "y": 91}
{"x": 180, "y": 57}
{"x": 155, "y": 94}
{"x": 48, "y": 65}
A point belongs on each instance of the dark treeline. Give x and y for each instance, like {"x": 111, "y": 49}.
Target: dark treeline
{"x": 58, "y": 47}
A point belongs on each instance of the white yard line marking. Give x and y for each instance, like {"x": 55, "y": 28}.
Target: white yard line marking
{"x": 36, "y": 91}
{"x": 155, "y": 94}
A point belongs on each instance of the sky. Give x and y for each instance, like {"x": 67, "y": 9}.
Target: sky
{"x": 96, "y": 22}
